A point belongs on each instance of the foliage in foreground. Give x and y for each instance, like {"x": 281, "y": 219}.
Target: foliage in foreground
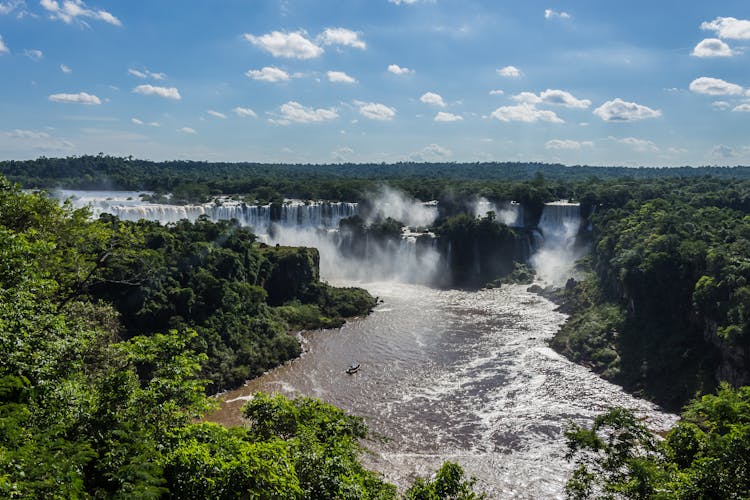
{"x": 449, "y": 483}
{"x": 87, "y": 412}
{"x": 707, "y": 455}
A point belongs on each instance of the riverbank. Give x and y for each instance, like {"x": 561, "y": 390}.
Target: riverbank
{"x": 456, "y": 375}
{"x": 596, "y": 335}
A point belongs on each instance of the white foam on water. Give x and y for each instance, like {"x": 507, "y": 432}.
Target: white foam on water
{"x": 463, "y": 376}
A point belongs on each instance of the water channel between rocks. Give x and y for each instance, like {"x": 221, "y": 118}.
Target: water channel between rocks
{"x": 453, "y": 375}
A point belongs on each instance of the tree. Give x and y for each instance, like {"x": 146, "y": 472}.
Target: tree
{"x": 707, "y": 455}
{"x": 448, "y": 484}
{"x": 616, "y": 458}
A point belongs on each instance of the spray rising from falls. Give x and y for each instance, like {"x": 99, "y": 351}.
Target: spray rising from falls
{"x": 411, "y": 257}
{"x": 353, "y": 253}
{"x": 356, "y": 251}
{"x": 509, "y": 213}
{"x": 390, "y": 203}
{"x": 558, "y": 250}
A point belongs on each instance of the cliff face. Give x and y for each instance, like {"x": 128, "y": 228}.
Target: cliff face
{"x": 475, "y": 260}
{"x": 734, "y": 357}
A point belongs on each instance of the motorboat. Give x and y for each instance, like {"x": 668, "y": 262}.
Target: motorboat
{"x": 353, "y": 368}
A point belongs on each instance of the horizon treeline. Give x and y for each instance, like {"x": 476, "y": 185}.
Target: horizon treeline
{"x": 194, "y": 180}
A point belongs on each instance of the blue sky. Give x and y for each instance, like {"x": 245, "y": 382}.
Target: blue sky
{"x": 576, "y": 82}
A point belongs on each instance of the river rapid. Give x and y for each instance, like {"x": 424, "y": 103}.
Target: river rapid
{"x": 445, "y": 374}
{"x": 453, "y": 375}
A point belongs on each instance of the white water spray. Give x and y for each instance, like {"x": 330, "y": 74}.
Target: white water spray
{"x": 389, "y": 202}
{"x": 413, "y": 258}
{"x": 509, "y": 213}
{"x": 558, "y": 252}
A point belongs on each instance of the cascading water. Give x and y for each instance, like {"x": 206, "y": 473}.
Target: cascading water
{"x": 550, "y": 248}
{"x": 414, "y": 258}
{"x": 127, "y": 205}
{"x": 445, "y": 374}
{"x": 454, "y": 375}
{"x": 557, "y": 251}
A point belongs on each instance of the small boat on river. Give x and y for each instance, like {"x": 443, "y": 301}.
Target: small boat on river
{"x": 353, "y": 368}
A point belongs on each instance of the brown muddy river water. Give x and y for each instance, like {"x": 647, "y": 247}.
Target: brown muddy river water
{"x": 453, "y": 375}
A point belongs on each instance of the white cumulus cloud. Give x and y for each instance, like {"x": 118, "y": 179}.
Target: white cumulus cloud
{"x": 527, "y": 97}
{"x": 165, "y": 92}
{"x": 567, "y": 144}
{"x": 342, "y": 36}
{"x": 244, "y": 112}
{"x": 563, "y": 98}
{"x": 552, "y": 14}
{"x": 216, "y": 114}
{"x": 714, "y": 86}
{"x": 295, "y": 112}
{"x": 729, "y": 27}
{"x": 431, "y": 152}
{"x": 293, "y": 45}
{"x": 342, "y": 154}
{"x": 35, "y": 55}
{"x": 79, "y": 98}
{"x": 10, "y": 6}
{"x": 3, "y": 48}
{"x": 525, "y": 112}
{"x": 433, "y": 99}
{"x": 137, "y": 121}
{"x": 187, "y": 130}
{"x": 723, "y": 151}
{"x": 712, "y": 47}
{"x": 398, "y": 70}
{"x": 71, "y": 10}
{"x": 146, "y": 74}
{"x": 720, "y": 105}
{"x": 376, "y": 111}
{"x": 497, "y": 92}
{"x": 549, "y": 96}
{"x": 640, "y": 145}
{"x": 268, "y": 74}
{"x": 340, "y": 77}
{"x": 742, "y": 108}
{"x": 447, "y": 117}
{"x": 618, "y": 110}
{"x": 405, "y": 2}
{"x": 65, "y": 69}
{"x": 38, "y": 141}
{"x": 509, "y": 72}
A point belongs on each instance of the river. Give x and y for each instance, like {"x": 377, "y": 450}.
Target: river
{"x": 445, "y": 374}
{"x": 453, "y": 375}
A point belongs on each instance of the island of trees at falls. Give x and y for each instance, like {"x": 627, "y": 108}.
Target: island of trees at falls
{"x": 114, "y": 332}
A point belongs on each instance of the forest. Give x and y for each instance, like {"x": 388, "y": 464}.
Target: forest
{"x": 191, "y": 181}
{"x": 665, "y": 308}
{"x": 114, "y": 332}
{"x": 112, "y": 335}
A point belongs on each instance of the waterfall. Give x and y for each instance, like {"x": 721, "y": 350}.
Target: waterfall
{"x": 560, "y": 222}
{"x": 127, "y": 205}
{"x": 557, "y": 251}
{"x": 413, "y": 258}
{"x": 324, "y": 214}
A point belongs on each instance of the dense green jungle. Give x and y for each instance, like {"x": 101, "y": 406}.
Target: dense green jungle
{"x": 113, "y": 334}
